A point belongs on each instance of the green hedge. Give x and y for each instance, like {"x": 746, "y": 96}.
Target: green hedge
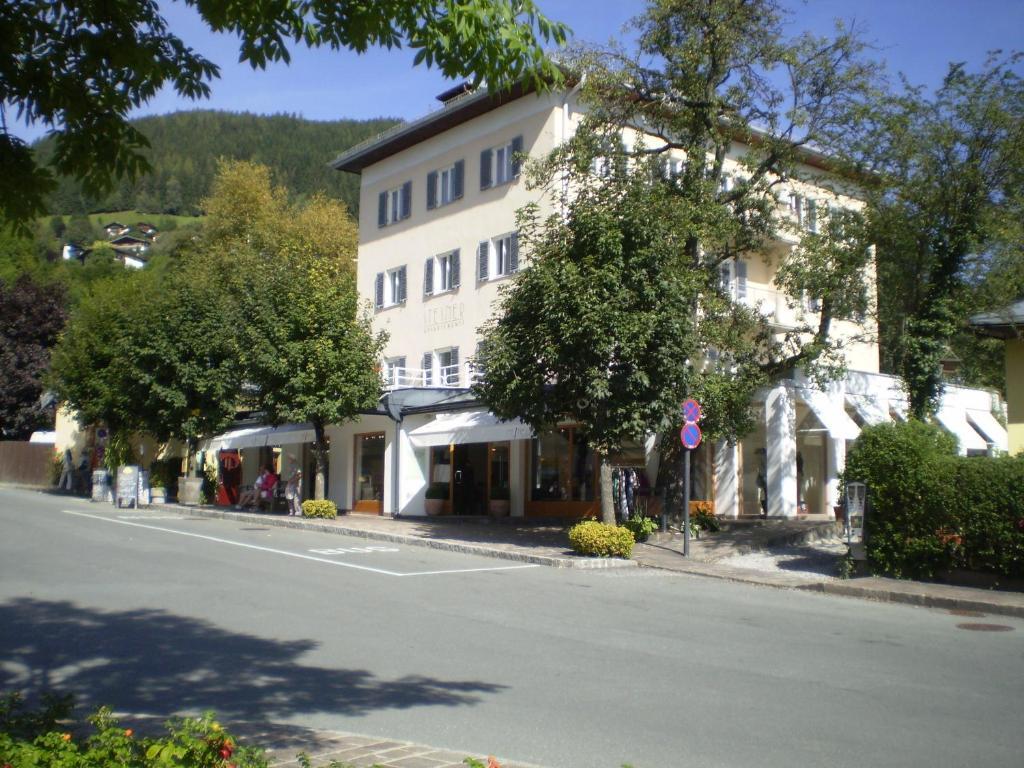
{"x": 602, "y": 539}
{"x": 931, "y": 510}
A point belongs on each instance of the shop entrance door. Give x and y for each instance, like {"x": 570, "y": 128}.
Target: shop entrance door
{"x": 469, "y": 479}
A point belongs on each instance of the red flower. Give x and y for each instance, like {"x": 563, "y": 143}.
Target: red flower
{"x": 226, "y": 750}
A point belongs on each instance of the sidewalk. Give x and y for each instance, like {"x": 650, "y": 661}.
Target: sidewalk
{"x": 546, "y": 544}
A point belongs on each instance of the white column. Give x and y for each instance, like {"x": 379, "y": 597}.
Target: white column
{"x": 835, "y": 465}
{"x": 780, "y": 439}
{"x": 727, "y": 498}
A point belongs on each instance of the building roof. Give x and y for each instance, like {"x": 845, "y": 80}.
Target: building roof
{"x": 1005, "y": 323}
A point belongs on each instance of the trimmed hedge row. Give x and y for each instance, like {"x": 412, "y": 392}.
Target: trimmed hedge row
{"x": 931, "y": 510}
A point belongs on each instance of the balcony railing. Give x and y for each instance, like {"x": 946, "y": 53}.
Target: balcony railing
{"x": 449, "y": 377}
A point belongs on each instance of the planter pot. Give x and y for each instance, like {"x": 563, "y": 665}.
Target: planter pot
{"x": 158, "y": 495}
{"x": 499, "y": 507}
{"x": 190, "y": 489}
{"x": 434, "y": 506}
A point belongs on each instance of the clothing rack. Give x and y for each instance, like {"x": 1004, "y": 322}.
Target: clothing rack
{"x": 630, "y": 491}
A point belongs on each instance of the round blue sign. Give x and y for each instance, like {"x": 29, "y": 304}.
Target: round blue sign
{"x": 691, "y": 410}
{"x": 690, "y": 435}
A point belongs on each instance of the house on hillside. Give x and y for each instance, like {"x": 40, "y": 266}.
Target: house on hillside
{"x": 147, "y": 229}
{"x": 438, "y": 239}
{"x": 131, "y": 250}
{"x": 114, "y": 229}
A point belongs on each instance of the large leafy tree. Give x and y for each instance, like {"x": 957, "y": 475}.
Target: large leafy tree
{"x": 946, "y": 215}
{"x": 307, "y": 348}
{"x": 621, "y": 313}
{"x": 80, "y": 67}
{"x": 32, "y": 315}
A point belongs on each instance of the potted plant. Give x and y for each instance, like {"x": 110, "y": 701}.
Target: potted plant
{"x": 436, "y": 496}
{"x": 499, "y": 504}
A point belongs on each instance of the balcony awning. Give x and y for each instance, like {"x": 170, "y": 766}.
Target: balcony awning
{"x": 834, "y": 418}
{"x": 468, "y": 427}
{"x": 259, "y": 436}
{"x": 954, "y": 420}
{"x": 869, "y": 408}
{"x": 986, "y": 423}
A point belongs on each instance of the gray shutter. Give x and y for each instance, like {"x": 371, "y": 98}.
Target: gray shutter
{"x": 456, "y": 280}
{"x": 485, "y": 169}
{"x": 458, "y": 179}
{"x": 382, "y": 209}
{"x": 378, "y": 291}
{"x": 428, "y": 365}
{"x": 406, "y": 200}
{"x": 741, "y": 279}
{"x": 517, "y": 147}
{"x": 455, "y": 364}
{"x": 428, "y": 277}
{"x": 432, "y": 190}
{"x": 482, "y": 252}
{"x": 513, "y": 256}
{"x": 400, "y": 299}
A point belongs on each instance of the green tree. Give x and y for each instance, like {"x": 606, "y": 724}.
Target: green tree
{"x": 634, "y": 316}
{"x": 946, "y": 213}
{"x": 80, "y": 67}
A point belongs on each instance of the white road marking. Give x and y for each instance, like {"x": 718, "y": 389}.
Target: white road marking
{"x": 297, "y": 555}
{"x": 353, "y": 550}
{"x": 149, "y": 517}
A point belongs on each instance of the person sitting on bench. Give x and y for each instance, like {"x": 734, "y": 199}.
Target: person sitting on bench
{"x": 252, "y": 496}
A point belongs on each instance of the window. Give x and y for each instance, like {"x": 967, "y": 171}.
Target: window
{"x": 733, "y": 278}
{"x": 805, "y": 211}
{"x": 445, "y": 185}
{"x": 500, "y": 165}
{"x": 441, "y": 273}
{"x": 369, "y": 463}
{"x": 395, "y": 372}
{"x": 448, "y": 367}
{"x": 389, "y": 289}
{"x": 564, "y": 467}
{"x": 394, "y": 204}
{"x": 671, "y": 167}
{"x": 498, "y": 257}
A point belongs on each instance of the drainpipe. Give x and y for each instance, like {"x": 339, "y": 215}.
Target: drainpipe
{"x": 396, "y": 449}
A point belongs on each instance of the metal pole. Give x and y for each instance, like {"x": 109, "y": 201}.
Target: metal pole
{"x": 686, "y": 502}
{"x": 664, "y": 507}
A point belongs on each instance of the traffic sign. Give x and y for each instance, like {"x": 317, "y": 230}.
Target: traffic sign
{"x": 690, "y": 435}
{"x": 691, "y": 410}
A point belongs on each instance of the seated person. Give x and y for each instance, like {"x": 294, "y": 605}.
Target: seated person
{"x": 266, "y": 495}
{"x": 250, "y": 496}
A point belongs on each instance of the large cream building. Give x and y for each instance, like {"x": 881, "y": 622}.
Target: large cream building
{"x": 437, "y": 241}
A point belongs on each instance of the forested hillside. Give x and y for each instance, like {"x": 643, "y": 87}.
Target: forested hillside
{"x": 185, "y": 147}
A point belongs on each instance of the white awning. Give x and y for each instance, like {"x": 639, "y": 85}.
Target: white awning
{"x": 832, "y": 415}
{"x": 870, "y": 408}
{"x": 43, "y": 437}
{"x": 986, "y": 423}
{"x": 955, "y": 421}
{"x": 468, "y": 427}
{"x": 258, "y": 436}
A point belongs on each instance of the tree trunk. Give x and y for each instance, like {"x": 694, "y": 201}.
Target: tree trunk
{"x": 607, "y": 502}
{"x": 320, "y": 452}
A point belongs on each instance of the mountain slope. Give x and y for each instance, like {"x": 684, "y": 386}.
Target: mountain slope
{"x": 185, "y": 147}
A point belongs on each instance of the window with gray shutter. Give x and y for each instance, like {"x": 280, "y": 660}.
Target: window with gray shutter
{"x": 428, "y": 277}
{"x": 453, "y": 367}
{"x": 378, "y": 291}
{"x": 432, "y": 190}
{"x": 741, "y": 279}
{"x": 406, "y": 200}
{"x": 482, "y": 252}
{"x": 382, "y": 209}
{"x": 485, "y": 169}
{"x": 428, "y": 365}
{"x": 513, "y": 253}
{"x": 456, "y": 281}
{"x": 517, "y": 147}
{"x": 400, "y": 298}
{"x": 458, "y": 178}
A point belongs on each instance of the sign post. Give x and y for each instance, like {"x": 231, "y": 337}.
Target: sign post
{"x": 690, "y": 437}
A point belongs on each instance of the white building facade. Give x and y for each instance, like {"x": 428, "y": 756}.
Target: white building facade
{"x": 438, "y": 239}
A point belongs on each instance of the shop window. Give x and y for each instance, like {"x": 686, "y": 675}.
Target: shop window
{"x": 500, "y": 467}
{"x": 564, "y": 467}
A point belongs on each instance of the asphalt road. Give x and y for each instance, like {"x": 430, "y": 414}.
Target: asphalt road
{"x": 156, "y": 613}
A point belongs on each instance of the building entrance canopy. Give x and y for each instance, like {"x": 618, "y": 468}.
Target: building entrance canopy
{"x": 260, "y": 435}
{"x": 468, "y": 427}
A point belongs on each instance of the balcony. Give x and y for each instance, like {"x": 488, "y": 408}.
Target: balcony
{"x": 446, "y": 377}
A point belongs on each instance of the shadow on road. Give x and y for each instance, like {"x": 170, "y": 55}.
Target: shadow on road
{"x": 159, "y": 663}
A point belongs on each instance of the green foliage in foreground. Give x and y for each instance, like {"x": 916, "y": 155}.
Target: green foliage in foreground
{"x": 931, "y": 510}
{"x": 324, "y": 508}
{"x": 601, "y": 539}
{"x": 42, "y": 739}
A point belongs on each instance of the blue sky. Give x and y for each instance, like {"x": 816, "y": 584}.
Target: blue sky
{"x": 918, "y": 37}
